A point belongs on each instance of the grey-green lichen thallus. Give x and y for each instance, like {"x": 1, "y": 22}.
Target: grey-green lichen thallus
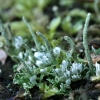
{"x": 85, "y": 44}
{"x": 49, "y": 67}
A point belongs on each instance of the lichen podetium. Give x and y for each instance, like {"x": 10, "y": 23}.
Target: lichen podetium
{"x": 85, "y": 43}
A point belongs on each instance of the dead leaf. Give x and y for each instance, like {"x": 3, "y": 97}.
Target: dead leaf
{"x": 98, "y": 86}
{"x": 20, "y": 67}
{"x": 98, "y": 98}
{"x": 95, "y": 43}
{"x": 20, "y": 95}
{"x": 3, "y": 56}
{"x": 95, "y": 58}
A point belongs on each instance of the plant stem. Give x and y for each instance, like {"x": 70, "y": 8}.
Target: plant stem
{"x": 33, "y": 34}
{"x": 85, "y": 43}
{"x": 47, "y": 44}
{"x": 71, "y": 43}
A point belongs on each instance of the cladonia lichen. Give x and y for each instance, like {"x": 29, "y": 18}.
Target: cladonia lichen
{"x": 49, "y": 67}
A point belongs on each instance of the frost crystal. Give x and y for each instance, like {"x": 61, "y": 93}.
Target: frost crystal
{"x": 39, "y": 63}
{"x": 57, "y": 51}
{"x": 76, "y": 67}
{"x": 33, "y": 79}
{"x": 64, "y": 65}
{"x": 43, "y": 59}
{"x": 38, "y": 55}
{"x": 20, "y": 55}
{"x": 18, "y": 42}
{"x": 68, "y": 82}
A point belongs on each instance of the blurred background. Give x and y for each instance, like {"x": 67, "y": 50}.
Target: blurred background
{"x": 54, "y": 18}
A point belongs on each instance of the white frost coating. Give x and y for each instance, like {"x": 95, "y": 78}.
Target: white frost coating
{"x": 68, "y": 82}
{"x": 57, "y": 51}
{"x": 39, "y": 63}
{"x": 64, "y": 66}
{"x": 76, "y": 67}
{"x": 33, "y": 79}
{"x": 30, "y": 58}
{"x": 39, "y": 55}
{"x": 18, "y": 42}
{"x": 20, "y": 55}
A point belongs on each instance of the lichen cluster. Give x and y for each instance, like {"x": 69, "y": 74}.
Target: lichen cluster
{"x": 49, "y": 67}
